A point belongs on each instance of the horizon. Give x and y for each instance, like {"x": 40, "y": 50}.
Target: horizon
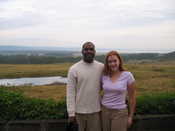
{"x": 78, "y": 49}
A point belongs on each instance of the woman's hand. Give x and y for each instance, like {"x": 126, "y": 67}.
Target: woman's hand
{"x": 130, "y": 121}
{"x": 72, "y": 119}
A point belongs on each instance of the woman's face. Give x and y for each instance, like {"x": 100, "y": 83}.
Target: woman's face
{"x": 113, "y": 63}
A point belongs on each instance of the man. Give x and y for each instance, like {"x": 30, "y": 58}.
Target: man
{"x": 83, "y": 87}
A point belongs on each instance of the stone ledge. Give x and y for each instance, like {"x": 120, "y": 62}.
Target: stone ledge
{"x": 141, "y": 123}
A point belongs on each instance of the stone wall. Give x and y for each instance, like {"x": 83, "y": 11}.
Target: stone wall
{"x": 141, "y": 123}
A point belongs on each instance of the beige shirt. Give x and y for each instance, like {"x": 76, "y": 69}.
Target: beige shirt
{"x": 83, "y": 88}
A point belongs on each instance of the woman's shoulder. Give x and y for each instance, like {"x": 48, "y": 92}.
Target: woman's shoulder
{"x": 129, "y": 76}
{"x": 127, "y": 73}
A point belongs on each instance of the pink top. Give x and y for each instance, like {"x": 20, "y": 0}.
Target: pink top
{"x": 115, "y": 92}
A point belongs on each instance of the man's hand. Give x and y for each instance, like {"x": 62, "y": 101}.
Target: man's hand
{"x": 72, "y": 119}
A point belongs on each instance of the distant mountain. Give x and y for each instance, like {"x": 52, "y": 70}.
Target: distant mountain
{"x": 37, "y": 51}
{"x": 77, "y": 49}
{"x": 34, "y": 48}
{"x": 168, "y": 56}
{"x": 14, "y": 48}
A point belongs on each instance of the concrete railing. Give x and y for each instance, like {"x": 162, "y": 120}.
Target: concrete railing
{"x": 141, "y": 123}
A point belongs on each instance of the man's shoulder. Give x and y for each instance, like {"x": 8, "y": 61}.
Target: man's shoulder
{"x": 98, "y": 63}
{"x": 75, "y": 65}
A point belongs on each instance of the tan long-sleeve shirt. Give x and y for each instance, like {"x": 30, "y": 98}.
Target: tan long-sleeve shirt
{"x": 83, "y": 88}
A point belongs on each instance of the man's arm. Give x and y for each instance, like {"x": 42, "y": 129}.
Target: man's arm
{"x": 71, "y": 93}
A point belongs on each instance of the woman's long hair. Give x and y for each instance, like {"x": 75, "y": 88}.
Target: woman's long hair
{"x": 107, "y": 70}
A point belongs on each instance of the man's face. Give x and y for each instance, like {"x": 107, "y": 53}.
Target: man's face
{"x": 88, "y": 53}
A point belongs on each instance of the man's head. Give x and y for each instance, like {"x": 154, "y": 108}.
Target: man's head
{"x": 88, "y": 51}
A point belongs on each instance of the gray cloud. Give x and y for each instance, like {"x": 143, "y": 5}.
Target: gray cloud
{"x": 100, "y": 21}
{"x": 26, "y": 20}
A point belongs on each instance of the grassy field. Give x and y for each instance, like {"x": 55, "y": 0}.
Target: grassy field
{"x": 32, "y": 70}
{"x": 150, "y": 78}
{"x": 153, "y": 78}
{"x": 55, "y": 92}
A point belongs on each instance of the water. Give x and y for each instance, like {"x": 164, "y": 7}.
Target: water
{"x": 33, "y": 81}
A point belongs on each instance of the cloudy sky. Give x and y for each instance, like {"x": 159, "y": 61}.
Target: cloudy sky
{"x": 120, "y": 24}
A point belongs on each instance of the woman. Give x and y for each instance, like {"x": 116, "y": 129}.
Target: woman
{"x": 117, "y": 84}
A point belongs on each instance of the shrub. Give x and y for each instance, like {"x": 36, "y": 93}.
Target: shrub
{"x": 160, "y": 103}
{"x": 14, "y": 106}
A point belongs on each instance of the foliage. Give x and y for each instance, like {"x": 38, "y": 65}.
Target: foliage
{"x": 35, "y": 59}
{"x": 14, "y": 106}
{"x": 156, "y": 103}
{"x": 61, "y": 57}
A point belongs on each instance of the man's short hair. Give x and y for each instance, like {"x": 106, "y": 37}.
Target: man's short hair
{"x": 88, "y": 43}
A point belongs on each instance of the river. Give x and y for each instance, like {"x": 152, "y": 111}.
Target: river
{"x": 33, "y": 81}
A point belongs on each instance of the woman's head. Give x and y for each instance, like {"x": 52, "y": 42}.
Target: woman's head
{"x": 113, "y": 63}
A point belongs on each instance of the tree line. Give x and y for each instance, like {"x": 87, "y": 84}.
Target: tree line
{"x": 36, "y": 59}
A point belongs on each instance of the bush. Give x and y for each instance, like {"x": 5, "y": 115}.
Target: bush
{"x": 160, "y": 103}
{"x": 14, "y": 106}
